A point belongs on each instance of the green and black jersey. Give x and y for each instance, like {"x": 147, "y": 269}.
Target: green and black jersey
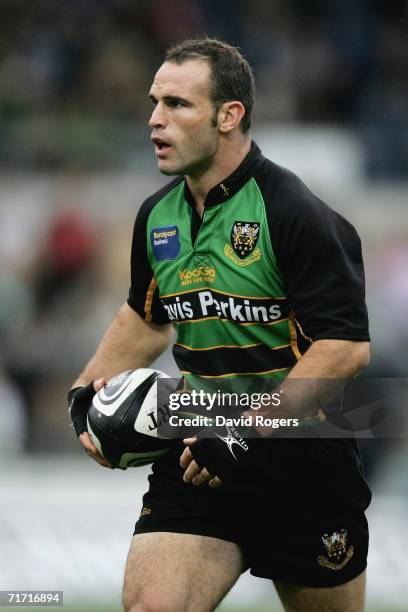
{"x": 269, "y": 269}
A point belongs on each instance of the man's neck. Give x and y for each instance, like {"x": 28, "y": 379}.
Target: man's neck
{"x": 227, "y": 159}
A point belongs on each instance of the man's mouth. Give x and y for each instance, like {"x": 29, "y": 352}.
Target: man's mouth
{"x": 162, "y": 147}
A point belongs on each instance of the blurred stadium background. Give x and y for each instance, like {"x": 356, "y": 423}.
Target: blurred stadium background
{"x": 75, "y": 165}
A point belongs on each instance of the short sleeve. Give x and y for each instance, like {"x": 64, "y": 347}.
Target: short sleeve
{"x": 143, "y": 293}
{"x": 324, "y": 277}
{"x": 319, "y": 255}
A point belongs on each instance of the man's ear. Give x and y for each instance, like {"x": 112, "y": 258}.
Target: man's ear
{"x": 229, "y": 116}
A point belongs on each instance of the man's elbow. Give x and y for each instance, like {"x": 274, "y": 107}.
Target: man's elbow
{"x": 361, "y": 355}
{"x": 160, "y": 336}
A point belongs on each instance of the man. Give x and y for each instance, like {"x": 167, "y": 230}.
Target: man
{"x": 260, "y": 278}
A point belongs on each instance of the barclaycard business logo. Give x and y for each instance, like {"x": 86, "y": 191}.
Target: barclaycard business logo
{"x": 165, "y": 242}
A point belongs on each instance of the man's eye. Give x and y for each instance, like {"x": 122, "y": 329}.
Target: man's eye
{"x": 175, "y": 103}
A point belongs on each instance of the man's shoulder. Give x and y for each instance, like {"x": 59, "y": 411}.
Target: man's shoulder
{"x": 278, "y": 182}
{"x": 156, "y": 197}
{"x": 285, "y": 192}
{"x": 290, "y": 204}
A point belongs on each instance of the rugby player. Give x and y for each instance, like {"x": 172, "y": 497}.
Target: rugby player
{"x": 260, "y": 278}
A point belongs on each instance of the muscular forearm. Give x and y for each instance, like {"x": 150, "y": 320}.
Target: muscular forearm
{"x": 332, "y": 359}
{"x": 319, "y": 376}
{"x": 129, "y": 342}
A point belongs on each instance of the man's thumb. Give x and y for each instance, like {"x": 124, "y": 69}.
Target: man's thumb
{"x": 98, "y": 384}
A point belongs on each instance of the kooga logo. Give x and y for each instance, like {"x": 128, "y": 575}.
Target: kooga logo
{"x": 197, "y": 275}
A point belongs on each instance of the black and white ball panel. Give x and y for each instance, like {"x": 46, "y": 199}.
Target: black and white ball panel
{"x": 122, "y": 417}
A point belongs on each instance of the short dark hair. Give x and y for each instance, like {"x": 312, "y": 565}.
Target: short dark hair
{"x": 232, "y": 76}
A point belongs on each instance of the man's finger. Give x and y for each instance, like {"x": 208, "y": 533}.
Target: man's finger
{"x": 186, "y": 458}
{"x": 202, "y": 477}
{"x": 215, "y": 482}
{"x": 86, "y": 441}
{"x": 92, "y": 451}
{"x": 192, "y": 470}
{"x": 99, "y": 459}
{"x": 98, "y": 384}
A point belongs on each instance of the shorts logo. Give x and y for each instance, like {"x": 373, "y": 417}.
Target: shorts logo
{"x": 145, "y": 512}
{"x": 337, "y": 553}
{"x": 165, "y": 242}
{"x": 201, "y": 274}
{"x": 244, "y": 236}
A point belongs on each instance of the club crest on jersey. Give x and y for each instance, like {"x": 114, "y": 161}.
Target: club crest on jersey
{"x": 244, "y": 237}
{"x": 338, "y": 555}
{"x": 165, "y": 242}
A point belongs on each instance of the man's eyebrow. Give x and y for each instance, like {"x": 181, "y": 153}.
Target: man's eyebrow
{"x": 176, "y": 99}
{"x": 170, "y": 99}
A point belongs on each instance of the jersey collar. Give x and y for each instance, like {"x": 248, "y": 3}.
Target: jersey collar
{"x": 233, "y": 183}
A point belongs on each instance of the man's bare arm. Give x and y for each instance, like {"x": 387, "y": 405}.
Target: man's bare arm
{"x": 332, "y": 359}
{"x": 315, "y": 378}
{"x": 128, "y": 343}
{"x": 320, "y": 375}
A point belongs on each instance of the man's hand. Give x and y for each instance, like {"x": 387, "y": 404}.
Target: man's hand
{"x": 194, "y": 473}
{"x": 217, "y": 455}
{"x": 80, "y": 400}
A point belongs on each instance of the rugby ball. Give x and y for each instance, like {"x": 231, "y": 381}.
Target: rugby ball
{"x": 125, "y": 418}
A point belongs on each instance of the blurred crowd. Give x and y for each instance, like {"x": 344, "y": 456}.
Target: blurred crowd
{"x": 40, "y": 300}
{"x": 74, "y": 78}
{"x": 69, "y": 67}
{"x": 65, "y": 271}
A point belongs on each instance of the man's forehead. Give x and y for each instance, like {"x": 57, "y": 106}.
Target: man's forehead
{"x": 189, "y": 77}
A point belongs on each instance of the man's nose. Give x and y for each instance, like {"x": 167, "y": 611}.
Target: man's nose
{"x": 157, "y": 118}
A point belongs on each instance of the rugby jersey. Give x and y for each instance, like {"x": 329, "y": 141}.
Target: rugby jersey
{"x": 266, "y": 271}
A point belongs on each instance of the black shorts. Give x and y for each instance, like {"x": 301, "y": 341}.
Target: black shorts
{"x": 300, "y": 520}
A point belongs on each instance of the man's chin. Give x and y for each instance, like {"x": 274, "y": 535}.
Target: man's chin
{"x": 168, "y": 170}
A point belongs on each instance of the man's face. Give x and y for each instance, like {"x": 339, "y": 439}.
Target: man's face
{"x": 183, "y": 122}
